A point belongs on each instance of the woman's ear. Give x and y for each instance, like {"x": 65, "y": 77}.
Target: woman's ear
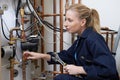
{"x": 83, "y": 22}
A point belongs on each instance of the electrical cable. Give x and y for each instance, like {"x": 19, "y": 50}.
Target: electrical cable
{"x": 3, "y": 66}
{"x": 52, "y": 27}
{"x": 18, "y": 8}
{"x": 29, "y": 28}
{"x": 17, "y": 24}
{"x": 43, "y": 22}
{"x": 3, "y": 30}
{"x": 30, "y": 33}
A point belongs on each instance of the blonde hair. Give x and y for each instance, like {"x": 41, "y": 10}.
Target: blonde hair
{"x": 91, "y": 15}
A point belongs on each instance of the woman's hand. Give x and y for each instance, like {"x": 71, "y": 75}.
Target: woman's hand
{"x": 73, "y": 70}
{"x": 32, "y": 55}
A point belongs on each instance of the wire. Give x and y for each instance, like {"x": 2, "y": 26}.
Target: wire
{"x": 5, "y": 65}
{"x": 18, "y": 8}
{"x": 52, "y": 27}
{"x": 43, "y": 22}
{"x": 3, "y": 30}
{"x": 29, "y": 28}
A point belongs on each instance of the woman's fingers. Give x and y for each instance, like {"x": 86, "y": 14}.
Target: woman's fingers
{"x": 66, "y": 69}
{"x": 26, "y": 55}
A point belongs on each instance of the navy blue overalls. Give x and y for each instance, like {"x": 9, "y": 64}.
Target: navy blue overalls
{"x": 92, "y": 53}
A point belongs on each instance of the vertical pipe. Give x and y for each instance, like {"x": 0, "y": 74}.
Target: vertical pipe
{"x": 34, "y": 5}
{"x": 73, "y": 1}
{"x": 67, "y": 1}
{"x": 107, "y": 37}
{"x": 66, "y": 5}
{"x": 35, "y": 28}
{"x": 112, "y": 41}
{"x": 61, "y": 29}
{"x": 42, "y": 42}
{"x": 12, "y": 69}
{"x": 23, "y": 68}
{"x": 54, "y": 35}
{"x": 12, "y": 63}
{"x": 79, "y": 1}
{"x": 23, "y": 40}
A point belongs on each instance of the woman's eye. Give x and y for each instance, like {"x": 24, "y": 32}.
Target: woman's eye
{"x": 70, "y": 20}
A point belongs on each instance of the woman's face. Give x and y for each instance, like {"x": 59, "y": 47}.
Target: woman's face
{"x": 73, "y": 23}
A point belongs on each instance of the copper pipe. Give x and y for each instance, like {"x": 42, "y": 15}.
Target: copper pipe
{"x": 23, "y": 36}
{"x": 67, "y": 1}
{"x": 79, "y": 1}
{"x": 107, "y": 36}
{"x": 73, "y": 1}
{"x": 12, "y": 69}
{"x": 35, "y": 7}
{"x": 107, "y": 33}
{"x": 54, "y": 35}
{"x": 61, "y": 30}
{"x": 23, "y": 39}
{"x": 35, "y": 28}
{"x": 42, "y": 42}
{"x": 22, "y": 17}
{"x": 66, "y": 5}
{"x": 112, "y": 41}
{"x": 12, "y": 63}
{"x": 23, "y": 68}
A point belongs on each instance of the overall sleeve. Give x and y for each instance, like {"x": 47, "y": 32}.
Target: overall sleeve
{"x": 103, "y": 66}
{"x": 65, "y": 55}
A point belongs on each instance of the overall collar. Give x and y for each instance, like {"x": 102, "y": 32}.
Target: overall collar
{"x": 86, "y": 32}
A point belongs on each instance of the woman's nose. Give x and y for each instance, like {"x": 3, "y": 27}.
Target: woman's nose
{"x": 65, "y": 24}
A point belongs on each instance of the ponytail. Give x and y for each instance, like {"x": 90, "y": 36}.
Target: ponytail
{"x": 95, "y": 21}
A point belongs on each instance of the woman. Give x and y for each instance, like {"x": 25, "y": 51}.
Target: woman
{"x": 89, "y": 58}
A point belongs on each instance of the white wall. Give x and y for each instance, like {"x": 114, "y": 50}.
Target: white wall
{"x": 108, "y": 11}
